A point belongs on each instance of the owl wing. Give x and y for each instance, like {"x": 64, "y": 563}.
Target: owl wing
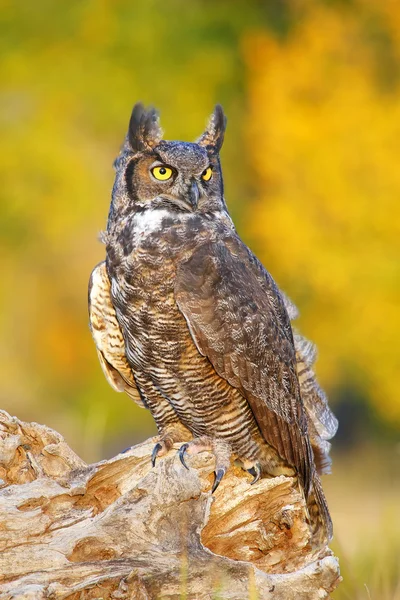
{"x": 237, "y": 319}
{"x": 321, "y": 422}
{"x": 107, "y": 335}
{"x": 314, "y": 397}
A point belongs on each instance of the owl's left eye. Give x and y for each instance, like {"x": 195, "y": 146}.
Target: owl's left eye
{"x": 162, "y": 173}
{"x": 206, "y": 175}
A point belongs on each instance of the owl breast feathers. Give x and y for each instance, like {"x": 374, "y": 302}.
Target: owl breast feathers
{"x": 190, "y": 325}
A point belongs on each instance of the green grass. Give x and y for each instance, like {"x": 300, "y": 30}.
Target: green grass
{"x": 364, "y": 497}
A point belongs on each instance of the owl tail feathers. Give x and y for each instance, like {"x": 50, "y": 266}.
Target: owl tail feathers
{"x": 320, "y": 519}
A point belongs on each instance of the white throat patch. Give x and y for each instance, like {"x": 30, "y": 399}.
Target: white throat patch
{"x": 149, "y": 220}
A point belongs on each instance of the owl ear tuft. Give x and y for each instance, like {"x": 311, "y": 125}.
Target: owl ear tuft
{"x": 144, "y": 128}
{"x": 214, "y": 134}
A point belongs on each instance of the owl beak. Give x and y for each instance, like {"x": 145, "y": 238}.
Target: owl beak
{"x": 194, "y": 194}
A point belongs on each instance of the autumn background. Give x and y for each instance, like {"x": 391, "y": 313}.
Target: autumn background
{"x": 312, "y": 178}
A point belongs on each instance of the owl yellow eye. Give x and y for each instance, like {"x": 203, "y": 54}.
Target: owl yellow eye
{"x": 162, "y": 173}
{"x": 206, "y": 175}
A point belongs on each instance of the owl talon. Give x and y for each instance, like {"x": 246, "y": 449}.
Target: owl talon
{"x": 218, "y": 476}
{"x": 256, "y": 472}
{"x": 155, "y": 452}
{"x": 182, "y": 452}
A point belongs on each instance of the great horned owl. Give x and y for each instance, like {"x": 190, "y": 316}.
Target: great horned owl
{"x": 189, "y": 323}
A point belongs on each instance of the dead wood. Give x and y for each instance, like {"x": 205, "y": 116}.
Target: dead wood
{"x": 120, "y": 529}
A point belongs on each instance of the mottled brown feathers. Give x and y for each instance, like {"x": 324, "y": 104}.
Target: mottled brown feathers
{"x": 187, "y": 321}
{"x": 107, "y": 335}
{"x": 245, "y": 333}
{"x": 322, "y": 423}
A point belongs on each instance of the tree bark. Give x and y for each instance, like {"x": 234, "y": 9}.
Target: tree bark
{"x": 120, "y": 529}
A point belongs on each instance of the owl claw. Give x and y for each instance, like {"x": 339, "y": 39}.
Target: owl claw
{"x": 256, "y": 472}
{"x": 218, "y": 476}
{"x": 155, "y": 452}
{"x": 182, "y": 452}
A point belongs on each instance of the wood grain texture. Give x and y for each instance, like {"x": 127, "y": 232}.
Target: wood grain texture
{"x": 119, "y": 529}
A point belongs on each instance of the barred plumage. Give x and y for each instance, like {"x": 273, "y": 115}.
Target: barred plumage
{"x": 188, "y": 322}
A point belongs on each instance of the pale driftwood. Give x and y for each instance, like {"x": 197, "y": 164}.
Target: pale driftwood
{"x": 121, "y": 530}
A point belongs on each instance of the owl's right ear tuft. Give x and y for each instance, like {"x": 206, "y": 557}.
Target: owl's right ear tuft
{"x": 213, "y": 137}
{"x": 144, "y": 128}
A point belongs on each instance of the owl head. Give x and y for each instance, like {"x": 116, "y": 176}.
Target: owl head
{"x": 155, "y": 173}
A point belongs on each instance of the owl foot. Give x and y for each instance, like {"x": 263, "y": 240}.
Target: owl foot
{"x": 162, "y": 446}
{"x": 157, "y": 448}
{"x": 168, "y": 436}
{"x": 181, "y": 452}
{"x": 255, "y": 470}
{"x": 221, "y": 451}
{"x": 219, "y": 473}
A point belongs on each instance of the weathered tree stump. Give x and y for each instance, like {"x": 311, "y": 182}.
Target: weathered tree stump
{"x": 120, "y": 529}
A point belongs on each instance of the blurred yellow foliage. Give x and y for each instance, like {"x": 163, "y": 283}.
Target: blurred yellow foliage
{"x": 70, "y": 73}
{"x": 311, "y": 91}
{"x": 324, "y": 136}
